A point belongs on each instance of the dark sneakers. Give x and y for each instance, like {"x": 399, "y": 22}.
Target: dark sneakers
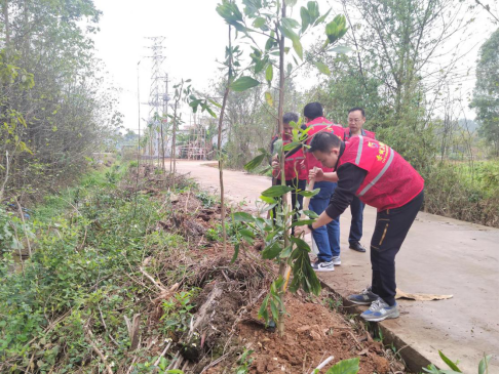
{"x": 366, "y": 297}
{"x": 357, "y": 247}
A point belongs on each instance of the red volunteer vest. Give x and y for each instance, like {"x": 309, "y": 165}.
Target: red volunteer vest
{"x": 347, "y": 133}
{"x": 317, "y": 125}
{"x": 295, "y": 165}
{"x": 391, "y": 181}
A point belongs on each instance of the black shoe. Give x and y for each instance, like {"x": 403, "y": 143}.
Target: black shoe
{"x": 357, "y": 247}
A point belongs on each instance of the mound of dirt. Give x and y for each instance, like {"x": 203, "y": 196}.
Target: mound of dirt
{"x": 225, "y": 321}
{"x": 312, "y": 334}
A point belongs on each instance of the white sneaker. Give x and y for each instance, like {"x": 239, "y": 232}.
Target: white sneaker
{"x": 336, "y": 260}
{"x": 323, "y": 266}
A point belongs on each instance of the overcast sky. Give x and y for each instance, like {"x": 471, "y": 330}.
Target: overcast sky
{"x": 195, "y": 38}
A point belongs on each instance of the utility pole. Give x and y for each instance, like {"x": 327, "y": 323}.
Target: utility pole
{"x": 166, "y": 99}
{"x": 154, "y": 95}
{"x": 139, "y": 112}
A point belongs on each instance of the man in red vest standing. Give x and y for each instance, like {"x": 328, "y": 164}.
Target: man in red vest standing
{"x": 327, "y": 237}
{"x": 295, "y": 166}
{"x": 381, "y": 178}
{"x": 356, "y": 119}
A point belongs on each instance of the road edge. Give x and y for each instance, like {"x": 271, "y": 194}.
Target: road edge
{"x": 413, "y": 359}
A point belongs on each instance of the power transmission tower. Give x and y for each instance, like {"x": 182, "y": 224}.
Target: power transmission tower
{"x": 156, "y": 98}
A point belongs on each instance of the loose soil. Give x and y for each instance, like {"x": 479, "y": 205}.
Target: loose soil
{"x": 225, "y": 322}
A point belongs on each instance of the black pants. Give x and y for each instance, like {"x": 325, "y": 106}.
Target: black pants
{"x": 296, "y": 184}
{"x": 390, "y": 232}
{"x": 356, "y": 231}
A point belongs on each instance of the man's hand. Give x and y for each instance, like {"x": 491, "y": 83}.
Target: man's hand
{"x": 275, "y": 164}
{"x": 299, "y": 230}
{"x": 316, "y": 174}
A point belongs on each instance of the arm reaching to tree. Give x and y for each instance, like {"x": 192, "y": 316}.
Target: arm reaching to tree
{"x": 349, "y": 181}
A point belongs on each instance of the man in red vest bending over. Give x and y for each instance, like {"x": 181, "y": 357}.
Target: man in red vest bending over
{"x": 356, "y": 118}
{"x": 327, "y": 238}
{"x": 380, "y": 177}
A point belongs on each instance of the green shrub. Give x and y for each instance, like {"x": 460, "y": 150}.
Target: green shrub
{"x": 465, "y": 191}
{"x": 90, "y": 240}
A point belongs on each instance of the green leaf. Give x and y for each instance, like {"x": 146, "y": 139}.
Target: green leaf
{"x": 259, "y": 65}
{"x": 276, "y": 191}
{"x": 322, "y": 18}
{"x": 289, "y": 33}
{"x": 350, "y": 366}
{"x": 303, "y": 222}
{"x": 448, "y": 362}
{"x": 263, "y": 309}
{"x": 247, "y": 235}
{"x": 255, "y": 163}
{"x": 290, "y": 146}
{"x": 274, "y": 310}
{"x": 340, "y": 49}
{"x": 286, "y": 252}
{"x": 323, "y": 68}
{"x": 270, "y": 43}
{"x": 310, "y": 214}
{"x": 215, "y": 103}
{"x": 269, "y": 98}
{"x": 236, "y": 252}
{"x": 290, "y": 23}
{"x": 304, "y": 15}
{"x": 269, "y": 73}
{"x": 303, "y": 274}
{"x": 271, "y": 251}
{"x": 232, "y": 15}
{"x": 297, "y": 46}
{"x": 301, "y": 244}
{"x": 290, "y": 2}
{"x": 259, "y": 22}
{"x": 243, "y": 217}
{"x": 484, "y": 364}
{"x": 336, "y": 29}
{"x": 244, "y": 83}
{"x": 313, "y": 9}
{"x": 268, "y": 200}
{"x": 309, "y": 193}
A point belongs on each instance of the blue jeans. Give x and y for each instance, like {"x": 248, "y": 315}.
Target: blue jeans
{"x": 327, "y": 237}
{"x": 356, "y": 231}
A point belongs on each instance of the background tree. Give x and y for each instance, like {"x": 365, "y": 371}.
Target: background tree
{"x": 56, "y": 103}
{"x": 485, "y": 99}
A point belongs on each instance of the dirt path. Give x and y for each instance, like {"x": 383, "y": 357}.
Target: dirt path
{"x": 440, "y": 256}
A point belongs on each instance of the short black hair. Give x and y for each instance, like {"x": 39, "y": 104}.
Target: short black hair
{"x": 357, "y": 108}
{"x": 290, "y": 117}
{"x": 324, "y": 142}
{"x": 313, "y": 110}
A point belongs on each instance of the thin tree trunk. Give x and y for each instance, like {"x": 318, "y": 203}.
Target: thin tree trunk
{"x": 219, "y": 145}
{"x": 174, "y": 130}
{"x": 284, "y": 266}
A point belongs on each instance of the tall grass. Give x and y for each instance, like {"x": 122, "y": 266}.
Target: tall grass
{"x": 466, "y": 191}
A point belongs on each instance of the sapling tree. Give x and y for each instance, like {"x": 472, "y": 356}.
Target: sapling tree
{"x": 271, "y": 21}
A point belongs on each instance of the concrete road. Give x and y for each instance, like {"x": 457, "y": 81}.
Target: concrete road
{"x": 439, "y": 256}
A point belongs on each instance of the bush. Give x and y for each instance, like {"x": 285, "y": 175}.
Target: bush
{"x": 90, "y": 240}
{"x": 463, "y": 191}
